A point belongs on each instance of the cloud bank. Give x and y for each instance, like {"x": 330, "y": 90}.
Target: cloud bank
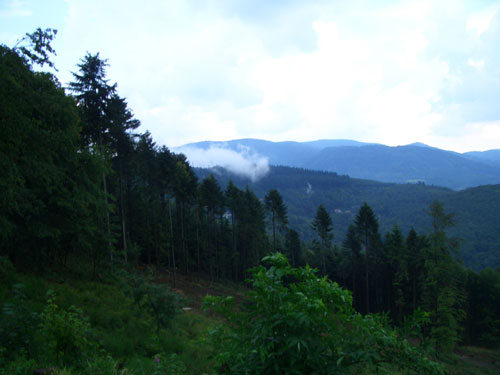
{"x": 391, "y": 72}
{"x": 243, "y": 163}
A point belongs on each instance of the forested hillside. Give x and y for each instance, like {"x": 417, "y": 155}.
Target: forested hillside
{"x": 405, "y": 204}
{"x": 99, "y": 212}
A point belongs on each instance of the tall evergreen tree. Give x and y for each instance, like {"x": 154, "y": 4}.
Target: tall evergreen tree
{"x": 353, "y": 245}
{"x": 396, "y": 275}
{"x": 184, "y": 187}
{"x": 414, "y": 245}
{"x": 121, "y": 125}
{"x": 212, "y": 200}
{"x": 367, "y": 228}
{"x": 322, "y": 225}
{"x": 442, "y": 294}
{"x": 47, "y": 186}
{"x": 92, "y": 93}
{"x": 277, "y": 211}
{"x": 293, "y": 248}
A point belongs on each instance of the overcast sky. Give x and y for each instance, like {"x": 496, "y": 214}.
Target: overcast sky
{"x": 375, "y": 71}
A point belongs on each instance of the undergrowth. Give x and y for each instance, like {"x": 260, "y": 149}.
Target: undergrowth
{"x": 75, "y": 325}
{"x": 65, "y": 323}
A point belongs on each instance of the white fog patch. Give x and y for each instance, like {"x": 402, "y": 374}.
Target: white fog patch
{"x": 244, "y": 162}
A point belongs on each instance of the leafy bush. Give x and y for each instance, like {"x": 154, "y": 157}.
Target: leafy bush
{"x": 21, "y": 365}
{"x": 65, "y": 336}
{"x": 17, "y": 323}
{"x": 168, "y": 365}
{"x": 296, "y": 323}
{"x": 158, "y": 299}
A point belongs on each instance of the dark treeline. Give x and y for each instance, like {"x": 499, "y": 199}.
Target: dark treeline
{"x": 79, "y": 183}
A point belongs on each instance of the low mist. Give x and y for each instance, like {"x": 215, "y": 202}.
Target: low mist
{"x": 243, "y": 162}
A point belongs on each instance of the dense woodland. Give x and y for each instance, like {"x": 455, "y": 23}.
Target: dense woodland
{"x": 80, "y": 184}
{"x": 476, "y": 217}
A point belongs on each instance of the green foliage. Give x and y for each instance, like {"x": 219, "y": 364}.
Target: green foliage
{"x": 296, "y": 323}
{"x": 405, "y": 204}
{"x": 443, "y": 293}
{"x": 277, "y": 210}
{"x": 103, "y": 365}
{"x": 482, "y": 325}
{"x": 65, "y": 335}
{"x": 47, "y": 195}
{"x": 35, "y": 47}
{"x": 16, "y": 324}
{"x": 20, "y": 365}
{"x": 322, "y": 225}
{"x": 162, "y": 303}
{"x": 168, "y": 365}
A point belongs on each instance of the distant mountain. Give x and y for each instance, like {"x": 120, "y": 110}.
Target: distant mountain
{"x": 324, "y": 143}
{"x": 420, "y": 144}
{"x": 415, "y": 163}
{"x": 404, "y": 164}
{"x": 491, "y": 156}
{"x": 476, "y": 209}
{"x": 290, "y": 153}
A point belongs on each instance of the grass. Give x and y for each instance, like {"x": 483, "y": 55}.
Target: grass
{"x": 123, "y": 330}
{"x": 128, "y": 334}
{"x": 468, "y": 360}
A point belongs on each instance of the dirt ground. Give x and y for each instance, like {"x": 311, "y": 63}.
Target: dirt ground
{"x": 195, "y": 288}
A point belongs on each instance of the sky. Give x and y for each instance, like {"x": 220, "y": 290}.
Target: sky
{"x": 373, "y": 71}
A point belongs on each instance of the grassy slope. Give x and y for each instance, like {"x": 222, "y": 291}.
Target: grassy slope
{"x": 127, "y": 333}
{"x": 124, "y": 331}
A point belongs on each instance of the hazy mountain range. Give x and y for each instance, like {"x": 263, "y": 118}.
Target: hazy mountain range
{"x": 412, "y": 163}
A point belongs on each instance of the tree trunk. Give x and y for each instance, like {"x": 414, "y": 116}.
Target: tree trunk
{"x": 122, "y": 214}
{"x": 183, "y": 240}
{"x": 172, "y": 240}
{"x": 108, "y": 225}
{"x": 198, "y": 239}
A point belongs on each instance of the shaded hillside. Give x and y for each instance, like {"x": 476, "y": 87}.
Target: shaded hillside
{"x": 406, "y": 164}
{"x": 405, "y": 204}
{"x": 478, "y": 224}
{"x": 490, "y": 156}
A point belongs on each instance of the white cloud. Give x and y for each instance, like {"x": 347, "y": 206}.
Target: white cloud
{"x": 475, "y": 63}
{"x": 244, "y": 163}
{"x": 15, "y": 8}
{"x": 478, "y": 136}
{"x": 480, "y": 21}
{"x": 393, "y": 73}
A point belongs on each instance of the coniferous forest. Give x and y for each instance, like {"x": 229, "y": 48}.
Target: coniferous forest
{"x": 101, "y": 228}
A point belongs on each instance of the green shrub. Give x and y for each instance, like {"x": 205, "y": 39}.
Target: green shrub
{"x": 17, "y": 324}
{"x": 65, "y": 336}
{"x": 168, "y": 365}
{"x": 296, "y": 323}
{"x": 158, "y": 299}
{"x": 21, "y": 365}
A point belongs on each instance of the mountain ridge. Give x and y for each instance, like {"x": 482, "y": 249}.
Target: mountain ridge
{"x": 415, "y": 162}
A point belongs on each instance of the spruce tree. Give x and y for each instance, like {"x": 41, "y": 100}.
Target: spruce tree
{"x": 442, "y": 294}
{"x": 322, "y": 225}
{"x": 367, "y": 228}
{"x": 277, "y": 211}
